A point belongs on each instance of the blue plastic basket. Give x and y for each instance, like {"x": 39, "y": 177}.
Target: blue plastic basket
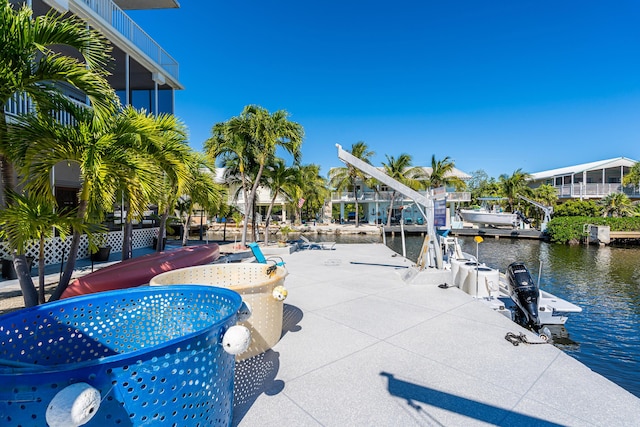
{"x": 153, "y": 353}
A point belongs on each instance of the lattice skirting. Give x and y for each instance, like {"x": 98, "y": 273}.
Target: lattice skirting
{"x": 56, "y": 248}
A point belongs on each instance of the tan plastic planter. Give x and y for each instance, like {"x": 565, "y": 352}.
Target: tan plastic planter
{"x": 264, "y": 293}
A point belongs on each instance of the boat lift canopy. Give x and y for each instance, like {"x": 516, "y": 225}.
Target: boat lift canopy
{"x": 423, "y": 202}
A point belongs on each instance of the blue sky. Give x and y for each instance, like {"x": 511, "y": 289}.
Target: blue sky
{"x": 495, "y": 85}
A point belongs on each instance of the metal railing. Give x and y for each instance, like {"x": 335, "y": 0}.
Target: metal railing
{"x": 114, "y": 16}
{"x": 596, "y": 190}
{"x": 385, "y": 196}
{"x": 21, "y": 103}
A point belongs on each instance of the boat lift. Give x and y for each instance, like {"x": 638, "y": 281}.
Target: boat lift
{"x": 548, "y": 210}
{"x": 431, "y": 253}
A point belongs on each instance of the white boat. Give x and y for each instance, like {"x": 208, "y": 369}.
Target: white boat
{"x": 513, "y": 294}
{"x": 490, "y": 213}
{"x": 484, "y": 216}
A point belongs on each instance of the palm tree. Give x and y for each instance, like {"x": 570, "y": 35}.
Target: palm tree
{"x": 309, "y": 187}
{"x": 348, "y": 177}
{"x": 233, "y": 148}
{"x": 401, "y": 170}
{"x": 172, "y": 155}
{"x": 30, "y": 66}
{"x": 97, "y": 145}
{"x": 27, "y": 220}
{"x": 633, "y": 177}
{"x": 313, "y": 189}
{"x": 138, "y": 131}
{"x": 546, "y": 194}
{"x": 200, "y": 189}
{"x": 616, "y": 205}
{"x": 442, "y": 173}
{"x": 276, "y": 177}
{"x": 257, "y": 133}
{"x": 513, "y": 185}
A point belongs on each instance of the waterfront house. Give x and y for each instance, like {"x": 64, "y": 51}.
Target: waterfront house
{"x": 143, "y": 75}
{"x": 263, "y": 197}
{"x": 593, "y": 180}
{"x": 373, "y": 203}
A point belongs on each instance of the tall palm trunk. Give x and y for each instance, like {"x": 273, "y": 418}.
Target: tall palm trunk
{"x": 73, "y": 249}
{"x": 69, "y": 267}
{"x": 393, "y": 196}
{"x": 355, "y": 197}
{"x": 26, "y": 282}
{"x": 8, "y": 176}
{"x": 41, "y": 269}
{"x": 127, "y": 239}
{"x": 162, "y": 229}
{"x": 254, "y": 221}
{"x": 268, "y": 220}
{"x": 245, "y": 195}
{"x": 252, "y": 196}
{"x": 186, "y": 229}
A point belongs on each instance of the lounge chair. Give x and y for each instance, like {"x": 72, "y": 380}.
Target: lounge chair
{"x": 260, "y": 258}
{"x": 308, "y": 244}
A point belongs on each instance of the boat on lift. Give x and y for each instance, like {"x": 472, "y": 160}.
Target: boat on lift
{"x": 490, "y": 214}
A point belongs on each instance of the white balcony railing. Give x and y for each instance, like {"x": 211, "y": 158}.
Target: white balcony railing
{"x": 385, "y": 196}
{"x": 21, "y": 103}
{"x": 581, "y": 190}
{"x": 114, "y": 16}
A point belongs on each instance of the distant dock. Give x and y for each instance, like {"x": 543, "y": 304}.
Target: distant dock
{"x": 500, "y": 232}
{"x": 483, "y": 232}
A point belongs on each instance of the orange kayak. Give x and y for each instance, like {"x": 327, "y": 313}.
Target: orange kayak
{"x": 139, "y": 271}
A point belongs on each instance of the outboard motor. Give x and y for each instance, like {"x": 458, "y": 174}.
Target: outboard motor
{"x": 524, "y": 292}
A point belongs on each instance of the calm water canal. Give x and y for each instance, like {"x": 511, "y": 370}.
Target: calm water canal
{"x": 605, "y": 282}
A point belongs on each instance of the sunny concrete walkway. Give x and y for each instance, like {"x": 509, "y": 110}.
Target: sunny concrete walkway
{"x": 362, "y": 348}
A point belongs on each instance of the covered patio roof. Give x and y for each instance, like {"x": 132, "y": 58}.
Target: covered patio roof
{"x": 571, "y": 170}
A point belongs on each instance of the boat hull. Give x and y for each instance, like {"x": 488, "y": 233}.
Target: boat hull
{"x": 490, "y": 218}
{"x": 139, "y": 271}
{"x": 491, "y": 287}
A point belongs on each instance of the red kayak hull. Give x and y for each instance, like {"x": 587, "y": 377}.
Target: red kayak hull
{"x": 139, "y": 271}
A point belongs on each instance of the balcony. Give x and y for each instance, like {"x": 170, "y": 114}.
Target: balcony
{"x": 111, "y": 14}
{"x": 20, "y": 104}
{"x": 385, "y": 196}
{"x": 595, "y": 191}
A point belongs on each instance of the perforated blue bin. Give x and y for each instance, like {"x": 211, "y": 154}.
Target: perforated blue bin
{"x": 154, "y": 354}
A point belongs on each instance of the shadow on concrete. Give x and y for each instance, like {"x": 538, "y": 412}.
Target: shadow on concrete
{"x": 415, "y": 394}
{"x": 257, "y": 375}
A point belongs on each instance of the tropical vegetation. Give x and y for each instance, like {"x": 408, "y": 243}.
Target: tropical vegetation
{"x": 253, "y": 137}
{"x": 347, "y": 178}
{"x": 401, "y": 169}
{"x": 572, "y": 229}
{"x": 123, "y": 155}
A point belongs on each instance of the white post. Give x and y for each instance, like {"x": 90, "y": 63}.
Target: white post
{"x": 127, "y": 97}
{"x": 404, "y": 247}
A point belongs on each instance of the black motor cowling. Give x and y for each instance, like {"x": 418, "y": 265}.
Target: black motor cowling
{"x": 524, "y": 292}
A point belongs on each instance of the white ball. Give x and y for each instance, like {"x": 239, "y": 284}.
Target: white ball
{"x": 280, "y": 293}
{"x": 73, "y": 406}
{"x": 236, "y": 340}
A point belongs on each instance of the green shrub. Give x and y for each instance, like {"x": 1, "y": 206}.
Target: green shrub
{"x": 587, "y": 208}
{"x": 564, "y": 229}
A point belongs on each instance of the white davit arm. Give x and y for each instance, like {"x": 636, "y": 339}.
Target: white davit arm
{"x": 421, "y": 200}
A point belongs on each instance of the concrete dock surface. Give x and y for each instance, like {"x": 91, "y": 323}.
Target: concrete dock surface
{"x": 361, "y": 347}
